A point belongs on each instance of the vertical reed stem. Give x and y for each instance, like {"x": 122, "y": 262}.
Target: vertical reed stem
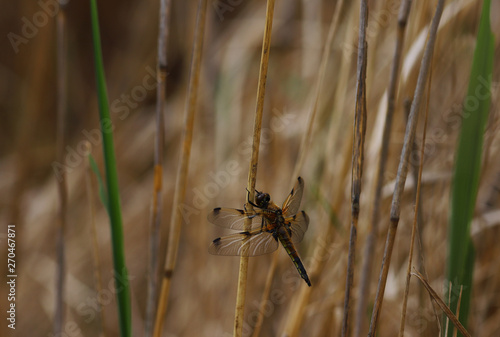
{"x": 156, "y": 204}
{"x": 403, "y": 166}
{"x": 62, "y": 187}
{"x": 416, "y": 214}
{"x": 357, "y": 158}
{"x": 366, "y": 269}
{"x": 89, "y": 189}
{"x": 306, "y": 139}
{"x": 182, "y": 172}
{"x": 252, "y": 172}
{"x": 304, "y": 146}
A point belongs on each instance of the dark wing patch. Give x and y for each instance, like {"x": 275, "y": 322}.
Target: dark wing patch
{"x": 234, "y": 218}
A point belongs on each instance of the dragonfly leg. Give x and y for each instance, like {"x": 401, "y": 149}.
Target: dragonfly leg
{"x": 249, "y": 201}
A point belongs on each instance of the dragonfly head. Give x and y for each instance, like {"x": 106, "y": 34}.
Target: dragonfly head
{"x": 262, "y": 199}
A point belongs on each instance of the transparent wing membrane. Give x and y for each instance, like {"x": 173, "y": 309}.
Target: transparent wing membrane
{"x": 244, "y": 244}
{"x": 292, "y": 203}
{"x": 298, "y": 225}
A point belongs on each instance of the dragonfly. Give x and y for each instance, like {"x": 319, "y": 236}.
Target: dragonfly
{"x": 269, "y": 224}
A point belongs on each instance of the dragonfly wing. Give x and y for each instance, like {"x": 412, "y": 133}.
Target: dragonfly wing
{"x": 234, "y": 218}
{"x": 244, "y": 244}
{"x": 292, "y": 203}
{"x": 298, "y": 225}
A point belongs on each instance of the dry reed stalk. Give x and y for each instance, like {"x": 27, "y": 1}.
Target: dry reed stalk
{"x": 296, "y": 316}
{"x": 366, "y": 269}
{"x": 182, "y": 172}
{"x": 156, "y": 204}
{"x": 457, "y": 313}
{"x": 403, "y": 166}
{"x": 416, "y": 211}
{"x": 420, "y": 228}
{"x": 265, "y": 295}
{"x": 62, "y": 186}
{"x": 252, "y": 171}
{"x": 31, "y": 113}
{"x": 420, "y": 223}
{"x": 447, "y": 319}
{"x": 442, "y": 305}
{"x": 303, "y": 150}
{"x": 306, "y": 139}
{"x": 357, "y": 158}
{"x": 311, "y": 35}
{"x": 89, "y": 189}
{"x": 304, "y": 146}
{"x": 336, "y": 130}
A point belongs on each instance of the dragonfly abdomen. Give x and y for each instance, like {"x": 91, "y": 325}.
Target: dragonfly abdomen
{"x": 284, "y": 238}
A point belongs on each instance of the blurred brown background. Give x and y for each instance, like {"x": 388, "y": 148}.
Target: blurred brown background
{"x": 204, "y": 287}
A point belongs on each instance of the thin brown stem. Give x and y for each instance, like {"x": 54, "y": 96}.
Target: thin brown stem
{"x": 366, "y": 270}
{"x": 442, "y": 305}
{"x": 320, "y": 257}
{"x": 89, "y": 188}
{"x": 414, "y": 228}
{"x": 252, "y": 171}
{"x": 403, "y": 165}
{"x": 420, "y": 223}
{"x": 62, "y": 187}
{"x": 357, "y": 159}
{"x": 457, "y": 312}
{"x": 156, "y": 204}
{"x": 295, "y": 319}
{"x": 304, "y": 145}
{"x": 265, "y": 295}
{"x": 306, "y": 139}
{"x": 447, "y": 319}
{"x": 182, "y": 172}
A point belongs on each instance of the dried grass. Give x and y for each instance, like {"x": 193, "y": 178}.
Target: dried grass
{"x": 203, "y": 289}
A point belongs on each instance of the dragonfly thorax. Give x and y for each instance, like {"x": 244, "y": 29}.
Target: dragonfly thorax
{"x": 275, "y": 216}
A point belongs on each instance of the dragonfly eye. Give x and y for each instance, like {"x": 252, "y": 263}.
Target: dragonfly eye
{"x": 262, "y": 199}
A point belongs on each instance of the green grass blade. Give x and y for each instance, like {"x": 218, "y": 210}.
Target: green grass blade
{"x": 460, "y": 262}
{"x": 121, "y": 275}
